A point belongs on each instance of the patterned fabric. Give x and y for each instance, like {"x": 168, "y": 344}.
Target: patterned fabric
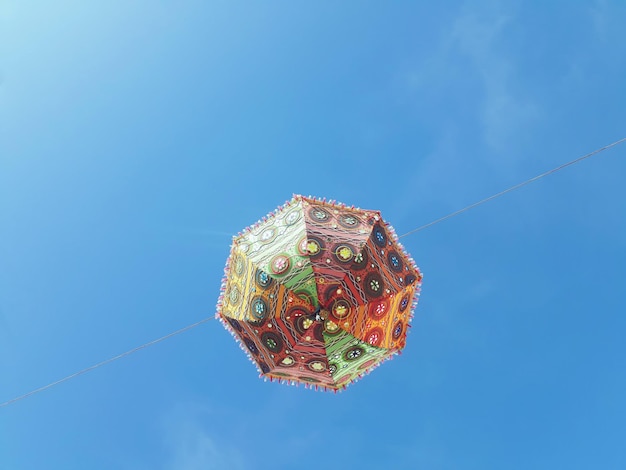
{"x": 319, "y": 293}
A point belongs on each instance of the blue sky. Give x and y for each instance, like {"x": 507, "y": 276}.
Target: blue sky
{"x": 136, "y": 136}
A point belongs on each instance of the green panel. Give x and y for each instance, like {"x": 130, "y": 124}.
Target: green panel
{"x": 348, "y": 357}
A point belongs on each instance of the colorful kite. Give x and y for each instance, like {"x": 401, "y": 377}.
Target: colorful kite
{"x": 319, "y": 293}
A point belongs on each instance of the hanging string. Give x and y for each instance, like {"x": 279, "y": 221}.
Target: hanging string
{"x": 187, "y": 328}
{"x": 100, "y": 364}
{"x": 513, "y": 188}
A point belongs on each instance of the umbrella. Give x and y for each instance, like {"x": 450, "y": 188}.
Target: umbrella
{"x": 318, "y": 293}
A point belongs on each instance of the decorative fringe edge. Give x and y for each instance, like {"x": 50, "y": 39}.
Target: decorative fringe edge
{"x": 296, "y": 198}
{"x": 413, "y": 264}
{"x": 270, "y": 215}
{"x": 326, "y": 388}
{"x": 334, "y": 204}
{"x": 229, "y": 328}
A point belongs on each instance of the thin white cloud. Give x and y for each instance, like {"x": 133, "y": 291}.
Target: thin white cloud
{"x": 599, "y": 18}
{"x": 471, "y": 68}
{"x": 478, "y": 35}
{"x": 192, "y": 445}
{"x": 197, "y": 450}
{"x": 467, "y": 89}
{"x": 601, "y": 50}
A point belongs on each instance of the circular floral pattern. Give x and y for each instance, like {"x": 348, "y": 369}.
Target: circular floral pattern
{"x": 292, "y": 217}
{"x": 340, "y": 309}
{"x": 280, "y": 264}
{"x": 263, "y": 280}
{"x": 272, "y": 341}
{"x": 288, "y": 361}
{"x": 318, "y": 214}
{"x": 298, "y": 317}
{"x": 343, "y": 253}
{"x": 404, "y": 303}
{"x": 360, "y": 261}
{"x": 374, "y": 285}
{"x": 349, "y": 221}
{"x": 238, "y": 265}
{"x": 353, "y": 353}
{"x": 268, "y": 235}
{"x": 259, "y": 309}
{"x": 314, "y": 247}
{"x": 379, "y": 236}
{"x": 234, "y": 296}
{"x": 395, "y": 262}
{"x": 332, "y": 368}
{"x": 303, "y": 323}
{"x": 375, "y": 336}
{"x": 397, "y": 330}
{"x": 316, "y": 366}
{"x": 331, "y": 328}
{"x": 378, "y": 310}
